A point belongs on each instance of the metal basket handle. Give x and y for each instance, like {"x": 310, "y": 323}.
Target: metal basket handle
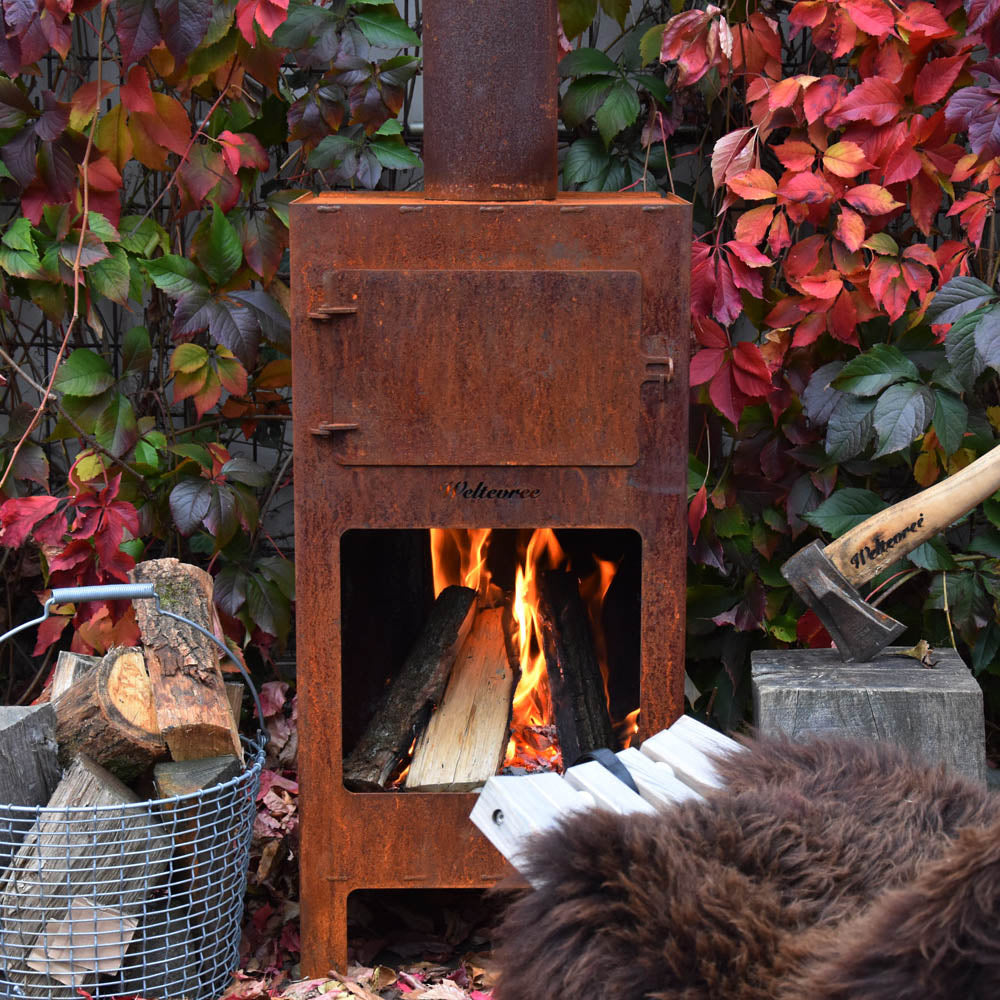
{"x": 135, "y": 592}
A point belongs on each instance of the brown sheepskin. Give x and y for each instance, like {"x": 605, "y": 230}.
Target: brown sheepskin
{"x": 829, "y": 870}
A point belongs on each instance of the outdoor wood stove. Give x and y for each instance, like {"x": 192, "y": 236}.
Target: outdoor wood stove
{"x": 486, "y": 353}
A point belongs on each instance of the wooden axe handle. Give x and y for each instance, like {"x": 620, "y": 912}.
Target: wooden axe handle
{"x": 879, "y": 541}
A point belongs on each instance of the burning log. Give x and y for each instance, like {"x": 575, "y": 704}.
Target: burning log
{"x": 108, "y": 714}
{"x": 189, "y": 693}
{"x": 465, "y": 740}
{"x": 578, "y": 701}
{"x": 419, "y": 685}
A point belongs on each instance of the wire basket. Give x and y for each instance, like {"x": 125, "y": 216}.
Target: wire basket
{"x": 136, "y": 898}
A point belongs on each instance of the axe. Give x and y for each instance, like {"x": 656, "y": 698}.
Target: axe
{"x": 826, "y": 577}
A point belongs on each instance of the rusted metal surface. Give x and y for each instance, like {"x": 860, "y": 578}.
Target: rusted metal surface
{"x": 406, "y": 370}
{"x": 418, "y": 840}
{"x": 490, "y": 99}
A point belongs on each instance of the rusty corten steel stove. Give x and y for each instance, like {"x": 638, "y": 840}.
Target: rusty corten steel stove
{"x": 538, "y": 347}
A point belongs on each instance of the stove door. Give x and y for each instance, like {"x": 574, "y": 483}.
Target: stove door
{"x": 482, "y": 368}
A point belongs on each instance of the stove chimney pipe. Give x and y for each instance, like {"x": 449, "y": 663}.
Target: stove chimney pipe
{"x": 490, "y": 100}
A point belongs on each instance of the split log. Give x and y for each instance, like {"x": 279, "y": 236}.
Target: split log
{"x": 108, "y": 715}
{"x": 465, "y": 741}
{"x": 575, "y": 681}
{"x": 111, "y": 860}
{"x": 234, "y": 692}
{"x": 70, "y": 667}
{"x": 418, "y": 687}
{"x": 189, "y": 692}
{"x": 29, "y": 768}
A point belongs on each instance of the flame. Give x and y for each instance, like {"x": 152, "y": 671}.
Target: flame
{"x": 629, "y": 728}
{"x": 459, "y": 556}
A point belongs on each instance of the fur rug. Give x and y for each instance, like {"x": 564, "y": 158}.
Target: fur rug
{"x": 829, "y": 870}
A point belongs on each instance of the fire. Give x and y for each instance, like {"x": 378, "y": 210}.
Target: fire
{"x": 629, "y": 728}
{"x": 459, "y": 557}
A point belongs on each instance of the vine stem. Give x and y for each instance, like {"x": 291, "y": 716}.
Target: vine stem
{"x": 77, "y": 269}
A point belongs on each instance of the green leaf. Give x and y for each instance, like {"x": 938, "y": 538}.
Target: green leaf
{"x": 987, "y": 542}
{"x": 901, "y": 415}
{"x": 957, "y": 298}
{"x": 391, "y": 126}
{"x": 195, "y": 452}
{"x": 116, "y": 428}
{"x": 987, "y": 336}
{"x": 330, "y": 151}
{"x": 394, "y": 154}
{"x": 619, "y": 110}
{"x": 243, "y": 470}
{"x": 951, "y": 417}
{"x": 188, "y": 358}
{"x": 577, "y": 16}
{"x": 220, "y": 252}
{"x": 583, "y": 97}
{"x": 176, "y": 275}
{"x": 229, "y": 590}
{"x": 83, "y": 373}
{"x": 18, "y": 236}
{"x": 102, "y": 228}
{"x": 280, "y": 572}
{"x": 651, "y": 44}
{"x": 984, "y": 652}
{"x": 845, "y": 509}
{"x": 658, "y": 88}
{"x": 960, "y": 348}
{"x": 869, "y": 373}
{"x": 137, "y": 352}
{"x": 932, "y": 555}
{"x": 582, "y": 62}
{"x": 384, "y": 27}
{"x": 881, "y": 243}
{"x": 618, "y": 9}
{"x": 585, "y": 160}
{"x": 142, "y": 236}
{"x": 111, "y": 277}
{"x": 849, "y": 428}
{"x": 267, "y": 607}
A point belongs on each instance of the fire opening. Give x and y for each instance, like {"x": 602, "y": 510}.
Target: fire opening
{"x": 390, "y": 579}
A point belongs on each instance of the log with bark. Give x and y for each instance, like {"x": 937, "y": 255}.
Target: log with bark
{"x": 70, "y": 667}
{"x": 575, "y": 682}
{"x": 465, "y": 741}
{"x": 189, "y": 692}
{"x": 109, "y": 861}
{"x": 108, "y": 715}
{"x": 420, "y": 684}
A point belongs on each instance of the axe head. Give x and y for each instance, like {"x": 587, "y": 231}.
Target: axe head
{"x": 860, "y": 631}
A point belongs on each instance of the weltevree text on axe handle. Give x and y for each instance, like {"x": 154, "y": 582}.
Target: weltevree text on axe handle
{"x": 881, "y": 539}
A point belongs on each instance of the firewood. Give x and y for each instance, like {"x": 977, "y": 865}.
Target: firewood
{"x": 465, "y": 740}
{"x": 70, "y": 667}
{"x": 189, "y": 692}
{"x": 108, "y": 715}
{"x": 111, "y": 861}
{"x": 29, "y": 764}
{"x": 418, "y": 687}
{"x": 234, "y": 692}
{"x": 578, "y": 697}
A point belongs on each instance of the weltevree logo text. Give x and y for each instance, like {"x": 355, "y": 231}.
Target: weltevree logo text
{"x": 463, "y": 491}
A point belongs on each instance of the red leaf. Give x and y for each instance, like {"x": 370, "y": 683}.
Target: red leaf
{"x": 922, "y": 18}
{"x": 19, "y": 516}
{"x": 872, "y": 199}
{"x": 809, "y": 330}
{"x": 936, "y": 78}
{"x": 733, "y": 154}
{"x": 269, "y": 14}
{"x": 750, "y": 370}
{"x": 783, "y": 93}
{"x": 823, "y": 286}
{"x": 872, "y": 16}
{"x": 727, "y": 304}
{"x": 808, "y": 13}
{"x": 49, "y": 632}
{"x": 751, "y": 226}
{"x": 842, "y": 319}
{"x": 804, "y": 256}
{"x": 821, "y": 96}
{"x": 795, "y": 154}
{"x": 696, "y": 511}
{"x": 845, "y": 159}
{"x": 706, "y": 364}
{"x": 726, "y": 396}
{"x": 888, "y": 287}
{"x": 903, "y": 165}
{"x": 76, "y": 554}
{"x": 876, "y": 101}
{"x": 850, "y": 229}
{"x": 753, "y": 185}
{"x": 779, "y": 238}
{"x": 136, "y": 94}
{"x": 138, "y": 29}
{"x": 749, "y": 254}
{"x": 810, "y": 632}
{"x": 810, "y": 189}
{"x": 925, "y": 200}
{"x": 745, "y": 277}
{"x": 707, "y": 332}
{"x": 156, "y": 134}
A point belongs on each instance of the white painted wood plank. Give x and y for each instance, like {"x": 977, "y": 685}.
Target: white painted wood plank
{"x": 655, "y": 780}
{"x": 704, "y": 737}
{"x": 511, "y": 809}
{"x": 608, "y": 791}
{"x": 690, "y": 764}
